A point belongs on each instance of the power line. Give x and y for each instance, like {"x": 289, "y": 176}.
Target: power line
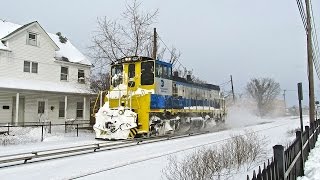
{"x": 315, "y": 43}
{"x": 172, "y": 54}
{"x": 314, "y": 37}
{"x": 302, "y": 13}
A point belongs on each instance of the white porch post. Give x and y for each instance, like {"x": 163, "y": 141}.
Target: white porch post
{"x": 84, "y": 107}
{"x": 101, "y": 98}
{"x": 17, "y": 108}
{"x": 65, "y": 107}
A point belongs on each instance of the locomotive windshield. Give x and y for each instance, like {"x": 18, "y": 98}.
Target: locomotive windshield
{"x": 116, "y": 73}
{"x": 147, "y": 73}
{"x": 163, "y": 71}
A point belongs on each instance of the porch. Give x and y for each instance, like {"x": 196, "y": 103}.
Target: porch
{"x": 20, "y": 107}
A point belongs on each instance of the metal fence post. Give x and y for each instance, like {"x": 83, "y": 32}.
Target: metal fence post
{"x": 307, "y": 129}
{"x": 278, "y": 154}
{"x": 8, "y": 128}
{"x": 50, "y": 127}
{"x": 77, "y": 130}
{"x": 41, "y": 132}
{"x": 299, "y": 138}
{"x": 65, "y": 127}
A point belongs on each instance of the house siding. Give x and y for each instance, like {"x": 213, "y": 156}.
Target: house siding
{"x": 11, "y": 63}
{"x": 6, "y": 114}
{"x": 49, "y": 69}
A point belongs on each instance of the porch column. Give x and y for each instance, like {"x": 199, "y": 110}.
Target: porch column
{"x": 101, "y": 93}
{"x": 65, "y": 107}
{"x": 84, "y": 107}
{"x": 17, "y": 108}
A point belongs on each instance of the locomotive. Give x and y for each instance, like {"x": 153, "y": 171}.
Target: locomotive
{"x": 147, "y": 98}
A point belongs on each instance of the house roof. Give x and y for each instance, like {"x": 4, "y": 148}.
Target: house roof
{"x": 15, "y": 30}
{"x": 36, "y": 85}
{"x": 66, "y": 50}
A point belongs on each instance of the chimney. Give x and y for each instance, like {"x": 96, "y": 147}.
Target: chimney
{"x": 189, "y": 77}
{"x": 175, "y": 74}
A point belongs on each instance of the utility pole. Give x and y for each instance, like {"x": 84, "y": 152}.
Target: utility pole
{"x": 284, "y": 99}
{"x": 310, "y": 65}
{"x": 232, "y": 89}
{"x": 154, "y": 53}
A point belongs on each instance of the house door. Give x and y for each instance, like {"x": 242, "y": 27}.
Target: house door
{"x": 43, "y": 110}
{"x": 20, "y": 110}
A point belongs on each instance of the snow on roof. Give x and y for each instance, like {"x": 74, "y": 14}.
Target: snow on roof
{"x": 36, "y": 85}
{"x": 7, "y": 28}
{"x": 67, "y": 49}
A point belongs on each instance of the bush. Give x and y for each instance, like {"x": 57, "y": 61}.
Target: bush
{"x": 213, "y": 163}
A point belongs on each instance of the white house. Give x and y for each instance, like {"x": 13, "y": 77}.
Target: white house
{"x": 41, "y": 78}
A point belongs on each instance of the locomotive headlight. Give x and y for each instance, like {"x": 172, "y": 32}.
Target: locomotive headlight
{"x": 121, "y": 112}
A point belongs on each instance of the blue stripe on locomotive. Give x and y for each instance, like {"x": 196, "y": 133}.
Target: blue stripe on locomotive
{"x": 170, "y": 102}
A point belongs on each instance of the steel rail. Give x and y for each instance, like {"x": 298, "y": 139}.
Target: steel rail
{"x": 45, "y": 155}
{"x": 170, "y": 153}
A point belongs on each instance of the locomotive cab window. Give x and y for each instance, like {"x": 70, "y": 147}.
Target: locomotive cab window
{"x": 164, "y": 72}
{"x": 116, "y": 73}
{"x": 158, "y": 70}
{"x": 131, "y": 74}
{"x": 169, "y": 72}
{"x": 147, "y": 73}
{"x": 132, "y": 71}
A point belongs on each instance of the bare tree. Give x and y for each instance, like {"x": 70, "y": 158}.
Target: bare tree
{"x": 100, "y": 82}
{"x": 263, "y": 91}
{"x": 129, "y": 36}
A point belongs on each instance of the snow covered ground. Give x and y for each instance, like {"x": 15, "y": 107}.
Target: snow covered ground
{"x": 145, "y": 161}
{"x": 312, "y": 165}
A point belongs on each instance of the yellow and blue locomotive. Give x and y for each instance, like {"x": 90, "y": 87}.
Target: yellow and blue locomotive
{"x": 147, "y": 99}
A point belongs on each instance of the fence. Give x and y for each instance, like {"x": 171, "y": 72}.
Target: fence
{"x": 288, "y": 164}
{"x": 6, "y": 128}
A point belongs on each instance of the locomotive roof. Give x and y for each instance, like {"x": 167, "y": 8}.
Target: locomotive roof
{"x": 129, "y": 59}
{"x": 205, "y": 85}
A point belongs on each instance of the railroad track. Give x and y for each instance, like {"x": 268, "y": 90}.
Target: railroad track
{"x": 51, "y": 154}
{"x": 45, "y": 155}
{"x": 166, "y": 154}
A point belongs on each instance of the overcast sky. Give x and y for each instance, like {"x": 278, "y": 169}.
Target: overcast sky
{"x": 247, "y": 38}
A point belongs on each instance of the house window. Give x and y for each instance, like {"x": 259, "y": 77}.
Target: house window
{"x": 32, "y": 39}
{"x": 61, "y": 109}
{"x": 64, "y": 73}
{"x": 81, "y": 76}
{"x": 79, "y": 109}
{"x": 30, "y": 67}
{"x": 41, "y": 105}
{"x": 26, "y": 67}
{"x": 34, "y": 68}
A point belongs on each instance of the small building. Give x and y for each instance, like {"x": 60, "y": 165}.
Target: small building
{"x": 43, "y": 77}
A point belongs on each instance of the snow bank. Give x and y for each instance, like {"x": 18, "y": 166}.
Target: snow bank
{"x": 21, "y": 136}
{"x": 312, "y": 165}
